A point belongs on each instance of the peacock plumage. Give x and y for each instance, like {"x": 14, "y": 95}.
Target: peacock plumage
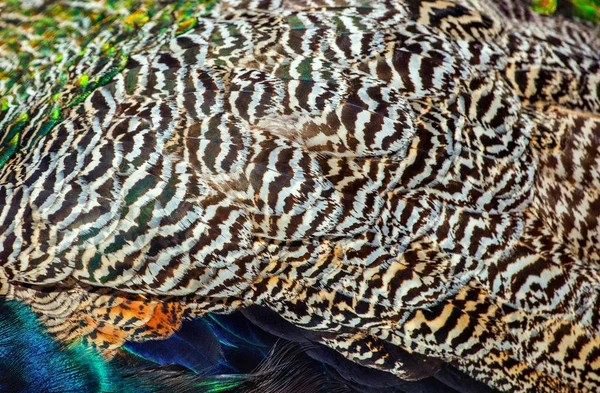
{"x": 299, "y": 196}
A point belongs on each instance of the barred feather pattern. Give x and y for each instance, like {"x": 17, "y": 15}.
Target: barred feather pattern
{"x": 416, "y": 173}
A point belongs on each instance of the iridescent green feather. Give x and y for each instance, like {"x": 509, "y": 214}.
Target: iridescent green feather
{"x": 62, "y": 46}
{"x": 585, "y": 9}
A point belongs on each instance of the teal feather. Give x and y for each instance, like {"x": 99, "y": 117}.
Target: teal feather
{"x": 30, "y": 361}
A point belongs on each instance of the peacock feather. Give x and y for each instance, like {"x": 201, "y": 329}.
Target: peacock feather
{"x": 586, "y": 9}
{"x": 276, "y": 196}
